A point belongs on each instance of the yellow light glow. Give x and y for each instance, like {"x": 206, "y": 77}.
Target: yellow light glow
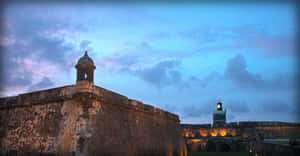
{"x": 203, "y": 133}
{"x": 196, "y": 140}
{"x": 223, "y": 132}
{"x": 215, "y": 133}
{"x": 218, "y": 106}
{"x": 192, "y": 135}
{"x": 187, "y": 134}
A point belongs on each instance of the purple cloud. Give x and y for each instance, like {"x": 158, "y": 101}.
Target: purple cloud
{"x": 236, "y": 70}
{"x": 43, "y": 84}
{"x": 34, "y": 47}
{"x": 162, "y": 74}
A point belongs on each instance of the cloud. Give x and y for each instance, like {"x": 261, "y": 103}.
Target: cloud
{"x": 238, "y": 106}
{"x": 19, "y": 73}
{"x": 206, "y": 81}
{"x": 34, "y": 46}
{"x": 275, "y": 105}
{"x": 138, "y": 55}
{"x": 117, "y": 61}
{"x": 196, "y": 111}
{"x": 84, "y": 45}
{"x": 236, "y": 70}
{"x": 162, "y": 74}
{"x": 155, "y": 66}
{"x": 203, "y": 107}
{"x": 126, "y": 59}
{"x": 238, "y": 95}
{"x": 250, "y": 37}
{"x": 43, "y": 84}
{"x": 19, "y": 81}
{"x": 269, "y": 45}
{"x": 46, "y": 36}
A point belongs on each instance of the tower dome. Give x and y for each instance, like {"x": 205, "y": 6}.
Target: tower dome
{"x": 85, "y": 59}
{"x": 85, "y": 69}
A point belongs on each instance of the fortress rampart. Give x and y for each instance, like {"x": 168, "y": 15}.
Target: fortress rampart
{"x": 84, "y": 119}
{"x": 68, "y": 92}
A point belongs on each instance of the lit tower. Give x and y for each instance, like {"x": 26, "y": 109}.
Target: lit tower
{"x": 219, "y": 116}
{"x": 85, "y": 72}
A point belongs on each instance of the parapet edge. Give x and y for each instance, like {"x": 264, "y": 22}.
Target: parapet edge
{"x": 115, "y": 98}
{"x": 70, "y": 91}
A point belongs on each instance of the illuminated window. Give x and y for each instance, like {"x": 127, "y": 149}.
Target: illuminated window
{"x": 192, "y": 135}
{"x": 223, "y": 132}
{"x": 187, "y": 134}
{"x": 214, "y": 133}
{"x": 219, "y": 106}
{"x": 203, "y": 133}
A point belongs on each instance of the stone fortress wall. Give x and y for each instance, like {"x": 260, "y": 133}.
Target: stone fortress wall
{"x": 84, "y": 119}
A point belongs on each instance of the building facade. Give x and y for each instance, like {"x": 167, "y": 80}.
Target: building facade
{"x": 234, "y": 136}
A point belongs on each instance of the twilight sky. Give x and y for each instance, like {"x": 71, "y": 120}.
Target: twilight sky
{"x": 183, "y": 58}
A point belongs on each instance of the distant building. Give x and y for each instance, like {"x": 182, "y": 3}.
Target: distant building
{"x": 234, "y": 136}
{"x": 219, "y": 116}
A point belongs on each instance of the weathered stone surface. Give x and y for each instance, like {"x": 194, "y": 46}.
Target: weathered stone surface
{"x": 86, "y": 121}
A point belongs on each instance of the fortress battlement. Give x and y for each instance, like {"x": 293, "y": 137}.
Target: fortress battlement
{"x": 71, "y": 91}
